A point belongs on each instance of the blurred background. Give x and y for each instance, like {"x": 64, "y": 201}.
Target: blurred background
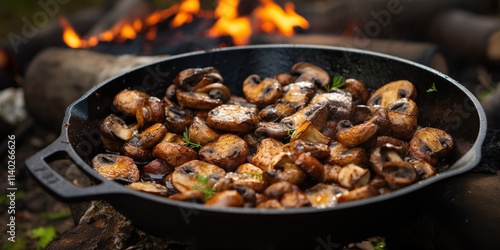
{"x": 53, "y": 51}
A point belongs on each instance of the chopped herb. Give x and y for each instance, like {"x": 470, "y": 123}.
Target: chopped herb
{"x": 289, "y": 132}
{"x": 205, "y": 187}
{"x": 378, "y": 243}
{"x": 432, "y": 88}
{"x": 189, "y": 143}
{"x": 256, "y": 176}
{"x": 337, "y": 82}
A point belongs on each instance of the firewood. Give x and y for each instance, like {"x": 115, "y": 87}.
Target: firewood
{"x": 59, "y": 76}
{"x": 423, "y": 53}
{"x": 469, "y": 35}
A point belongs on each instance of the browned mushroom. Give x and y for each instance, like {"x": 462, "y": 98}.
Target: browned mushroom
{"x": 114, "y": 132}
{"x": 385, "y": 153}
{"x": 195, "y": 175}
{"x": 430, "y": 145}
{"x": 267, "y": 149}
{"x": 342, "y": 155}
{"x": 358, "y": 91}
{"x": 269, "y": 204}
{"x": 276, "y": 112}
{"x": 190, "y": 78}
{"x": 149, "y": 187}
{"x": 228, "y": 152}
{"x": 261, "y": 92}
{"x": 423, "y": 168}
{"x": 200, "y": 132}
{"x": 248, "y": 194}
{"x": 308, "y": 72}
{"x": 284, "y": 169}
{"x": 278, "y": 189}
{"x": 363, "y": 192}
{"x": 294, "y": 200}
{"x": 324, "y": 195}
{"x": 403, "y": 115}
{"x": 331, "y": 173}
{"x": 232, "y": 118}
{"x": 311, "y": 166}
{"x": 217, "y": 91}
{"x": 158, "y": 168}
{"x": 228, "y": 198}
{"x": 354, "y": 135}
{"x": 116, "y": 167}
{"x": 129, "y": 101}
{"x": 249, "y": 175}
{"x": 285, "y": 78}
{"x": 298, "y": 94}
{"x": 193, "y": 196}
{"x": 308, "y": 132}
{"x": 196, "y": 100}
{"x": 391, "y": 92}
{"x": 339, "y": 102}
{"x": 139, "y": 147}
{"x": 317, "y": 114}
{"x": 270, "y": 130}
{"x": 177, "y": 119}
{"x": 151, "y": 111}
{"x": 319, "y": 151}
{"x": 353, "y": 176}
{"x": 174, "y": 154}
{"x": 399, "y": 174}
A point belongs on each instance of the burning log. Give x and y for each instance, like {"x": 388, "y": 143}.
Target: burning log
{"x": 471, "y": 36}
{"x": 60, "y": 76}
{"x": 424, "y": 53}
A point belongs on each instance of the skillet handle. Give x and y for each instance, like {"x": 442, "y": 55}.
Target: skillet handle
{"x": 58, "y": 186}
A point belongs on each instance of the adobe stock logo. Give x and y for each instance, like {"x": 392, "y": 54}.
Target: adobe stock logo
{"x": 31, "y": 26}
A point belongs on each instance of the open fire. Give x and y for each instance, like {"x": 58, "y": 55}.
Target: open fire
{"x": 267, "y": 17}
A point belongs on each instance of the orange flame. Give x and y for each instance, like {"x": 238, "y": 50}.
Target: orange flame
{"x": 268, "y": 17}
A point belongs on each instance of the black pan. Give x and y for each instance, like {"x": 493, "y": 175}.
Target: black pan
{"x": 452, "y": 108}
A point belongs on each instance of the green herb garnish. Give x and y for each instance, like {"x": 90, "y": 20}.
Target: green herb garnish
{"x": 43, "y": 235}
{"x": 289, "y": 132}
{"x": 188, "y": 141}
{"x": 337, "y": 82}
{"x": 255, "y": 176}
{"x": 378, "y": 243}
{"x": 205, "y": 188}
{"x": 432, "y": 88}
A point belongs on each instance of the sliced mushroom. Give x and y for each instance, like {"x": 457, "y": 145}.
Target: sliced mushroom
{"x": 129, "y": 101}
{"x": 269, "y": 204}
{"x": 308, "y": 72}
{"x": 193, "y": 196}
{"x": 189, "y": 78}
{"x": 276, "y": 112}
{"x": 423, "y": 168}
{"x": 311, "y": 166}
{"x": 139, "y": 147}
{"x": 200, "y": 132}
{"x": 385, "y": 153}
{"x": 157, "y": 167}
{"x": 324, "y": 195}
{"x": 151, "y": 111}
{"x": 248, "y": 194}
{"x": 172, "y": 137}
{"x": 228, "y": 198}
{"x": 177, "y": 119}
{"x": 197, "y": 101}
{"x": 217, "y": 91}
{"x": 189, "y": 175}
{"x": 339, "y": 102}
{"x": 249, "y": 176}
{"x": 174, "y": 154}
{"x": 270, "y": 130}
{"x": 331, "y": 173}
{"x": 430, "y": 145}
{"x": 149, "y": 187}
{"x": 285, "y": 78}
{"x": 278, "y": 189}
{"x": 319, "y": 151}
{"x": 330, "y": 129}
{"x": 298, "y": 94}
{"x": 114, "y": 132}
{"x": 363, "y": 192}
{"x": 261, "y": 92}
{"x": 116, "y": 167}
{"x": 232, "y": 118}
{"x": 267, "y": 149}
{"x": 399, "y": 174}
{"x": 342, "y": 155}
{"x": 353, "y": 176}
{"x": 403, "y": 115}
{"x": 360, "y": 94}
{"x": 391, "y": 92}
{"x": 294, "y": 200}
{"x": 354, "y": 135}
{"x": 284, "y": 169}
{"x": 227, "y": 152}
{"x": 317, "y": 114}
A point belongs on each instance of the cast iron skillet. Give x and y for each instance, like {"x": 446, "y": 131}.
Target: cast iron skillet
{"x": 452, "y": 108}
